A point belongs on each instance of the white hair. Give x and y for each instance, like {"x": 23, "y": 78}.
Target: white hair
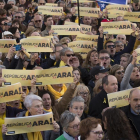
{"x": 30, "y": 98}
{"x": 12, "y": 1}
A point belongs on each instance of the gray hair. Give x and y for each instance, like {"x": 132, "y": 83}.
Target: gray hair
{"x": 2, "y": 67}
{"x": 76, "y": 99}
{"x": 18, "y": 13}
{"x": 64, "y": 50}
{"x": 12, "y": 1}
{"x": 117, "y": 42}
{"x": 30, "y": 98}
{"x": 66, "y": 118}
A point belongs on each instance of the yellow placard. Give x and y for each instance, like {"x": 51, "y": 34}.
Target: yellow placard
{"x": 5, "y": 44}
{"x": 36, "y": 45}
{"x": 83, "y": 54}
{"x": 119, "y": 27}
{"x": 43, "y": 77}
{"x": 10, "y": 93}
{"x": 118, "y": 7}
{"x": 49, "y": 10}
{"x": 66, "y": 29}
{"x": 81, "y": 46}
{"x": 20, "y": 125}
{"x": 80, "y": 1}
{"x": 51, "y": 4}
{"x": 88, "y": 38}
{"x": 70, "y": 23}
{"x": 119, "y": 99}
{"x": 85, "y": 28}
{"x": 88, "y": 11}
{"x": 138, "y": 56}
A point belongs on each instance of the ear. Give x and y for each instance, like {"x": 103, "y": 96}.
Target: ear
{"x": 129, "y": 100}
{"x": 62, "y": 58}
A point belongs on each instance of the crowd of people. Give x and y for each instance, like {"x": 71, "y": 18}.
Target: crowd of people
{"x": 80, "y": 109}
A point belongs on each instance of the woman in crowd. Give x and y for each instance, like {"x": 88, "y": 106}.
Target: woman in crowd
{"x": 77, "y": 75}
{"x": 70, "y": 123}
{"x": 91, "y": 129}
{"x": 117, "y": 125}
{"x": 34, "y": 104}
{"x": 98, "y": 87}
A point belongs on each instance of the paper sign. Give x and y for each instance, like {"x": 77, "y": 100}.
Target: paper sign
{"x": 5, "y": 44}
{"x": 36, "y": 45}
{"x": 119, "y": 27}
{"x": 66, "y": 29}
{"x": 10, "y": 93}
{"x": 49, "y": 10}
{"x": 80, "y": 1}
{"x": 138, "y": 56}
{"x": 119, "y": 99}
{"x": 43, "y": 77}
{"x": 51, "y": 4}
{"x": 81, "y": 46}
{"x": 83, "y": 54}
{"x": 85, "y": 28}
{"x": 88, "y": 11}
{"x": 118, "y": 7}
{"x": 20, "y": 125}
{"x": 70, "y": 23}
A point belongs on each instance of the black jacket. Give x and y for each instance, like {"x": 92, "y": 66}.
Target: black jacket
{"x": 133, "y": 120}
{"x": 97, "y": 104}
{"x": 127, "y": 49}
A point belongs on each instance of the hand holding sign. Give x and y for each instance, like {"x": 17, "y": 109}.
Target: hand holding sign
{"x": 134, "y": 54}
{"x": 23, "y": 95}
{"x": 4, "y": 129}
{"x": 56, "y": 126}
{"x": 2, "y": 80}
{"x": 134, "y": 28}
{"x": 11, "y": 52}
{"x": 101, "y": 31}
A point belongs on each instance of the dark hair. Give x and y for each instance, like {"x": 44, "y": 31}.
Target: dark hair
{"x": 79, "y": 73}
{"x": 12, "y": 30}
{"x": 136, "y": 83}
{"x": 22, "y": 6}
{"x": 118, "y": 125}
{"x": 104, "y": 51}
{"x": 17, "y": 21}
{"x": 46, "y": 17}
{"x": 87, "y": 125}
{"x": 107, "y": 43}
{"x": 2, "y": 19}
{"x": 2, "y": 12}
{"x": 57, "y": 45}
{"x": 42, "y": 92}
{"x": 79, "y": 56}
{"x": 105, "y": 80}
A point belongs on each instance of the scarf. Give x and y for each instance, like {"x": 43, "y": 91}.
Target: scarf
{"x": 33, "y": 135}
{"x": 1, "y": 123}
{"x": 56, "y": 93}
{"x": 61, "y": 64}
{"x": 50, "y": 110}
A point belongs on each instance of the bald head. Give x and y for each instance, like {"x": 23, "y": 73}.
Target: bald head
{"x": 121, "y": 38}
{"x": 135, "y": 91}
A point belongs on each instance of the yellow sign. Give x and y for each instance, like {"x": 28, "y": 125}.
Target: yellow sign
{"x": 83, "y": 54}
{"x": 85, "y": 28}
{"x": 119, "y": 27}
{"x": 36, "y": 45}
{"x": 51, "y": 4}
{"x": 10, "y": 93}
{"x": 80, "y": 1}
{"x": 20, "y": 125}
{"x": 70, "y": 23}
{"x": 88, "y": 11}
{"x": 66, "y": 29}
{"x": 5, "y": 44}
{"x": 44, "y": 77}
{"x": 81, "y": 46}
{"x": 118, "y": 7}
{"x": 119, "y": 99}
{"x": 138, "y": 56}
{"x": 49, "y": 10}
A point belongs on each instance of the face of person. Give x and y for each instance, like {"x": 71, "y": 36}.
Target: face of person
{"x": 2, "y": 5}
{"x": 49, "y": 21}
{"x": 36, "y": 108}
{"x": 15, "y": 25}
{"x": 20, "y": 9}
{"x": 77, "y": 108}
{"x": 94, "y": 58}
{"x": 11, "y": 3}
{"x": 119, "y": 47}
{"x": 135, "y": 74}
{"x": 46, "y": 101}
{"x": 41, "y": 2}
{"x": 22, "y": 2}
{"x": 87, "y": 20}
{"x": 112, "y": 84}
{"x": 84, "y": 94}
{"x": 119, "y": 18}
{"x": 76, "y": 75}
{"x": 35, "y": 34}
{"x": 15, "y": 104}
{"x": 19, "y": 17}
{"x": 134, "y": 101}
{"x": 119, "y": 74}
{"x": 57, "y": 53}
{"x": 124, "y": 62}
{"x": 104, "y": 59}
{"x": 73, "y": 128}
{"x": 17, "y": 34}
{"x": 96, "y": 133}
{"x": 2, "y": 108}
{"x": 51, "y": 1}
{"x": 135, "y": 6}
{"x": 38, "y": 21}
{"x": 121, "y": 38}
{"x": 111, "y": 48}
{"x": 68, "y": 54}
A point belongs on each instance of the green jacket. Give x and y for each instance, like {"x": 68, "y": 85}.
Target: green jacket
{"x": 61, "y": 138}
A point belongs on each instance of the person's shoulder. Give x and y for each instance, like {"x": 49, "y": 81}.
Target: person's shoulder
{"x": 61, "y": 138}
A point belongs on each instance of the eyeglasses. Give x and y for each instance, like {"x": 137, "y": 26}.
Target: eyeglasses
{"x": 42, "y": 3}
{"x": 98, "y": 132}
{"x": 83, "y": 93}
{"x": 120, "y": 72}
{"x": 111, "y": 46}
{"x": 37, "y": 21}
{"x": 10, "y": 37}
{"x": 76, "y": 126}
{"x": 69, "y": 55}
{"x": 106, "y": 58}
{"x": 18, "y": 17}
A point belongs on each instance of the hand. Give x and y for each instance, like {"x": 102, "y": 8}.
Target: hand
{"x": 73, "y": 11}
{"x": 4, "y": 129}
{"x": 56, "y": 126}
{"x": 134, "y": 54}
{"x": 11, "y": 52}
{"x": 33, "y": 81}
{"x": 101, "y": 31}
{"x": 89, "y": 33}
{"x": 50, "y": 32}
{"x": 134, "y": 28}
{"x": 23, "y": 95}
{"x": 100, "y": 14}
{"x": 2, "y": 80}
